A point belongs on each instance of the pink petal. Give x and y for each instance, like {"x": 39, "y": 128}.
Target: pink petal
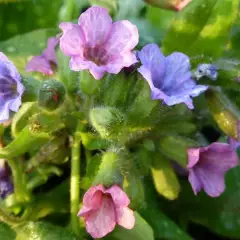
{"x": 84, "y": 211}
{"x": 39, "y": 64}
{"x": 119, "y": 197}
{"x": 72, "y": 40}
{"x": 49, "y": 52}
{"x": 125, "y": 217}
{"x": 124, "y": 37}
{"x": 96, "y": 25}
{"x": 78, "y": 64}
{"x": 93, "y": 197}
{"x": 193, "y": 156}
{"x": 102, "y": 221}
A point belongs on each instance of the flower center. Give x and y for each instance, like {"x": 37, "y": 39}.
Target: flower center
{"x": 8, "y": 88}
{"x": 97, "y": 55}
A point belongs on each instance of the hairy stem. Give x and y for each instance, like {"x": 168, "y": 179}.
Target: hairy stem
{"x": 75, "y": 183}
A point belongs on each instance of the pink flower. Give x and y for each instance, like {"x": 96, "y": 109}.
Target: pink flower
{"x": 43, "y": 62}
{"x": 208, "y": 165}
{"x": 97, "y": 44}
{"x": 104, "y": 208}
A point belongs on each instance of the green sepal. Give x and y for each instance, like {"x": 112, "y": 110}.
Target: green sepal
{"x": 109, "y": 172}
{"x": 107, "y": 121}
{"x": 164, "y": 177}
{"x": 175, "y": 148}
{"x": 26, "y": 141}
{"x": 21, "y": 118}
{"x": 51, "y": 94}
{"x": 224, "y": 112}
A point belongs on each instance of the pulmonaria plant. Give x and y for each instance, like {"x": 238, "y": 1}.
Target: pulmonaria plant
{"x": 98, "y": 44}
{"x": 104, "y": 208}
{"x": 11, "y": 88}
{"x": 208, "y": 165}
{"x": 168, "y": 77}
{"x": 44, "y": 63}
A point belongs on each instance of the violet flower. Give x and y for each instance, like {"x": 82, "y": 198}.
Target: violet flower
{"x": 6, "y": 186}
{"x": 97, "y": 44}
{"x": 168, "y": 77}
{"x": 208, "y": 165}
{"x": 11, "y": 88}
{"x": 235, "y": 144}
{"x": 44, "y": 62}
{"x": 104, "y": 208}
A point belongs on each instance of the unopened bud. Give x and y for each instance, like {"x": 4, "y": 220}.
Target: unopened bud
{"x": 176, "y": 5}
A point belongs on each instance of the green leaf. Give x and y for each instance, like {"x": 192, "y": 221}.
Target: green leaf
{"x": 175, "y": 148}
{"x": 43, "y": 231}
{"x": 93, "y": 142}
{"x": 20, "y": 48}
{"x": 141, "y": 231}
{"x": 6, "y": 232}
{"x": 163, "y": 226}
{"x": 164, "y": 177}
{"x": 205, "y": 26}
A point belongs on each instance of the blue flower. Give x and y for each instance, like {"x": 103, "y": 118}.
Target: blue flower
{"x": 6, "y": 186}
{"x": 11, "y": 88}
{"x": 206, "y": 70}
{"x": 168, "y": 77}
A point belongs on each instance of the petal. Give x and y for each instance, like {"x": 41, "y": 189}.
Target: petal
{"x": 93, "y": 197}
{"x": 123, "y": 37}
{"x": 84, "y": 211}
{"x": 39, "y": 64}
{"x": 212, "y": 182}
{"x": 49, "y": 52}
{"x": 194, "y": 181}
{"x": 154, "y": 61}
{"x": 193, "y": 156}
{"x": 117, "y": 63}
{"x": 78, "y": 64}
{"x": 72, "y": 40}
{"x": 119, "y": 197}
{"x": 9, "y": 67}
{"x": 14, "y": 104}
{"x": 96, "y": 25}
{"x": 4, "y": 112}
{"x": 233, "y": 143}
{"x": 125, "y": 217}
{"x": 102, "y": 221}
{"x": 218, "y": 157}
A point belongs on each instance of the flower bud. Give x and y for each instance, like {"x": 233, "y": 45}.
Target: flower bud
{"x": 51, "y": 94}
{"x": 176, "y": 5}
{"x": 224, "y": 112}
{"x": 107, "y": 121}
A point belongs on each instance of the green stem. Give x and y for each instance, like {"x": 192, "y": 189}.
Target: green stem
{"x": 75, "y": 183}
{"x": 19, "y": 181}
{"x": 8, "y": 219}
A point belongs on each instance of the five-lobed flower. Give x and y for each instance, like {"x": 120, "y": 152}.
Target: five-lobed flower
{"x": 44, "y": 63}
{"x": 98, "y": 44}
{"x": 168, "y": 77}
{"x": 208, "y": 165}
{"x": 104, "y": 208}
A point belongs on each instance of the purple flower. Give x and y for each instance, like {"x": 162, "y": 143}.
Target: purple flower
{"x": 43, "y": 63}
{"x": 6, "y": 186}
{"x": 168, "y": 77}
{"x": 97, "y": 44}
{"x": 11, "y": 88}
{"x": 207, "y": 166}
{"x": 235, "y": 144}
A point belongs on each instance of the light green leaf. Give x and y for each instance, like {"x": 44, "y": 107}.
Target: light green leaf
{"x": 202, "y": 28}
{"x": 6, "y": 232}
{"x": 164, "y": 177}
